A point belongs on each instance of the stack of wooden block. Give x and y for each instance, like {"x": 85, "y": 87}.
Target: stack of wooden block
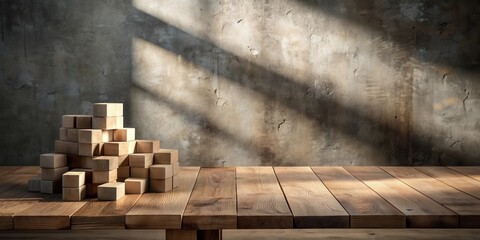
{"x": 102, "y": 155}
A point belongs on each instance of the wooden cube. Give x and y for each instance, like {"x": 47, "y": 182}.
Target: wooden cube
{"x": 90, "y": 149}
{"x": 90, "y": 136}
{"x": 92, "y": 189}
{"x": 73, "y": 161}
{"x": 123, "y": 160}
{"x": 107, "y": 109}
{"x": 161, "y": 171}
{"x": 105, "y": 163}
{"x": 53, "y": 174}
{"x": 131, "y": 146}
{"x": 135, "y": 185}
{"x": 86, "y": 162}
{"x": 175, "y": 181}
{"x": 143, "y": 160}
{"x": 164, "y": 185}
{"x": 53, "y": 160}
{"x": 73, "y": 179}
{"x": 165, "y": 156}
{"x": 104, "y": 176}
{"x": 111, "y": 191}
{"x": 63, "y": 134}
{"x": 107, "y": 135}
{"x": 137, "y": 172}
{"x": 107, "y": 123}
{"x": 74, "y": 193}
{"x": 88, "y": 174}
{"x": 176, "y": 168}
{"x": 66, "y": 147}
{"x": 83, "y": 121}
{"x": 147, "y": 146}
{"x": 123, "y": 172}
{"x": 72, "y": 135}
{"x": 50, "y": 186}
{"x": 124, "y": 134}
{"x": 115, "y": 148}
{"x": 68, "y": 121}
{"x": 34, "y": 183}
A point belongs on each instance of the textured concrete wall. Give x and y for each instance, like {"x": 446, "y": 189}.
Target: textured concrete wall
{"x": 250, "y": 82}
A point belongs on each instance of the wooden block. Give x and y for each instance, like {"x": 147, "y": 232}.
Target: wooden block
{"x": 175, "y": 181}
{"x": 104, "y": 176}
{"x": 143, "y": 160}
{"x": 34, "y": 183}
{"x": 74, "y": 161}
{"x": 124, "y": 134}
{"x": 90, "y": 149}
{"x": 72, "y": 135}
{"x": 88, "y": 174}
{"x": 92, "y": 189}
{"x": 160, "y": 185}
{"x": 83, "y": 121}
{"x": 63, "y": 134}
{"x": 107, "y": 123}
{"x": 131, "y": 146}
{"x": 73, "y": 179}
{"x": 86, "y": 162}
{"x": 53, "y": 160}
{"x": 161, "y": 171}
{"x": 66, "y": 147}
{"x": 68, "y": 121}
{"x": 105, "y": 163}
{"x": 50, "y": 187}
{"x": 123, "y": 160}
{"x": 111, "y": 191}
{"x": 115, "y": 148}
{"x": 136, "y": 172}
{"x": 107, "y": 135}
{"x": 165, "y": 156}
{"x": 176, "y": 168}
{"x": 147, "y": 146}
{"x": 74, "y": 193}
{"x": 107, "y": 109}
{"x": 90, "y": 136}
{"x": 123, "y": 172}
{"x": 53, "y": 174}
{"x": 135, "y": 185}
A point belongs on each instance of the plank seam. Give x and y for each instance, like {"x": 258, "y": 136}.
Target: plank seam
{"x": 450, "y": 167}
{"x": 286, "y": 200}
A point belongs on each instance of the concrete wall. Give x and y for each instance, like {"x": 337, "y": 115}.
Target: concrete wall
{"x": 250, "y": 82}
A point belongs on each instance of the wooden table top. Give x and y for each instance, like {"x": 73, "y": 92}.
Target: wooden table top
{"x": 262, "y": 197}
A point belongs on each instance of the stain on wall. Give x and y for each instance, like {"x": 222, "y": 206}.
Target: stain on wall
{"x": 250, "y": 82}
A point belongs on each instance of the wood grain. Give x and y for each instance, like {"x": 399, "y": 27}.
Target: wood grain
{"x": 8, "y": 209}
{"x": 421, "y": 211}
{"x": 457, "y": 180}
{"x": 366, "y": 208}
{"x": 50, "y": 213}
{"x": 466, "y": 206}
{"x": 14, "y": 184}
{"x": 312, "y": 205}
{"x": 213, "y": 202}
{"x": 471, "y": 171}
{"x": 261, "y": 203}
{"x": 163, "y": 210}
{"x": 104, "y": 214}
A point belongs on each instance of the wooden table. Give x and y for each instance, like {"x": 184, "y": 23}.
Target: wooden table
{"x": 211, "y": 199}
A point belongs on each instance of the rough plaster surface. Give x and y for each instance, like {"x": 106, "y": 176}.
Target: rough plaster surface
{"x": 250, "y": 82}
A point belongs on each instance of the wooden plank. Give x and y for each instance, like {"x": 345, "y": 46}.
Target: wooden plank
{"x": 213, "y": 202}
{"x": 85, "y": 234}
{"x": 7, "y": 169}
{"x": 27, "y": 170}
{"x": 50, "y": 213}
{"x": 471, "y": 171}
{"x": 261, "y": 203}
{"x": 312, "y": 205}
{"x": 457, "y": 180}
{"x": 8, "y": 209}
{"x": 366, "y": 208}
{"x": 163, "y": 210}
{"x": 466, "y": 206}
{"x": 104, "y": 214}
{"x": 15, "y": 186}
{"x": 421, "y": 211}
